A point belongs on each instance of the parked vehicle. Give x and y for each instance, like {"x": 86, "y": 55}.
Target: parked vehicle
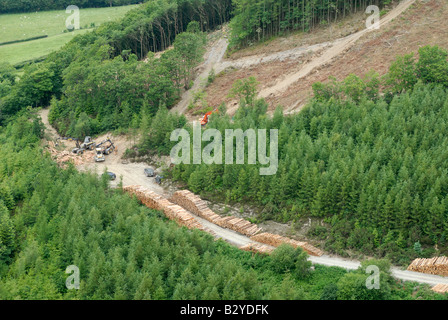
{"x": 99, "y": 157}
{"x": 112, "y": 176}
{"x": 149, "y": 172}
{"x": 159, "y": 179}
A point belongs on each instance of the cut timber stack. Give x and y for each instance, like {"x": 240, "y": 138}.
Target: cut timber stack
{"x": 257, "y": 248}
{"x": 437, "y": 265}
{"x": 173, "y": 212}
{"x": 239, "y": 225}
{"x": 440, "y": 288}
{"x": 196, "y": 205}
{"x": 275, "y": 240}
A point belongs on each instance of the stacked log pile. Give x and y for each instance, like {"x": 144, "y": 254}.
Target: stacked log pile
{"x": 257, "y": 248}
{"x": 173, "y": 212}
{"x": 183, "y": 202}
{"x": 239, "y": 225}
{"x": 276, "y": 240}
{"x": 440, "y": 288}
{"x": 193, "y": 203}
{"x": 437, "y": 266}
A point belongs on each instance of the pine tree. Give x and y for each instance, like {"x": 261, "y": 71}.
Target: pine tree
{"x": 7, "y": 233}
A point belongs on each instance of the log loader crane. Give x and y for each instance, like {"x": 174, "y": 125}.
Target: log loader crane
{"x": 107, "y": 147}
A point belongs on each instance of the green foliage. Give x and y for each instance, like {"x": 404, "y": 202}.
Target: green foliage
{"x": 432, "y": 66}
{"x": 418, "y": 248}
{"x": 245, "y": 90}
{"x": 286, "y": 259}
{"x": 353, "y": 87}
{"x": 330, "y": 292}
{"x": 353, "y": 286}
{"x": 211, "y": 77}
{"x": 156, "y": 136}
{"x": 7, "y": 73}
{"x": 190, "y": 47}
{"x": 7, "y": 233}
{"x": 34, "y": 89}
{"x": 402, "y": 74}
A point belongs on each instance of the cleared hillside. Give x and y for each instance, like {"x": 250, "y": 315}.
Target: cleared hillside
{"x": 422, "y": 24}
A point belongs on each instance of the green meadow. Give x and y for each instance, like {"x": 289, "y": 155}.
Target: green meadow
{"x": 51, "y": 23}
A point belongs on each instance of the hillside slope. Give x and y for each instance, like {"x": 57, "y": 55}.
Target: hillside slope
{"x": 287, "y": 79}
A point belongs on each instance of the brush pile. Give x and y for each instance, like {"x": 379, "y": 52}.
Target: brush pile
{"x": 437, "y": 266}
{"x": 173, "y": 212}
{"x": 196, "y": 205}
{"x": 64, "y": 157}
{"x": 276, "y": 240}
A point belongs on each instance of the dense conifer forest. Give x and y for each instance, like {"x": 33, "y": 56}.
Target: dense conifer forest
{"x": 366, "y": 157}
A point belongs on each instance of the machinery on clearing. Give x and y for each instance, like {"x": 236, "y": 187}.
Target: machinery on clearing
{"x": 99, "y": 156}
{"x": 107, "y": 147}
{"x": 79, "y": 148}
{"x": 88, "y": 144}
{"x": 101, "y": 149}
{"x": 204, "y": 120}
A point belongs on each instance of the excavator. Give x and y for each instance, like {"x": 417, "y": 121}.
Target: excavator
{"x": 204, "y": 120}
{"x": 88, "y": 144}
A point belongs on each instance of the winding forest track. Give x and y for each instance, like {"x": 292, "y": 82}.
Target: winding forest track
{"x": 213, "y": 56}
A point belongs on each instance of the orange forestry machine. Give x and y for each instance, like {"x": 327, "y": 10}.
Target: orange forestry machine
{"x": 204, "y": 120}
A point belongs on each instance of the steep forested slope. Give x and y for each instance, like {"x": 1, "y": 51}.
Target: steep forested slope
{"x": 370, "y": 164}
{"x": 52, "y": 218}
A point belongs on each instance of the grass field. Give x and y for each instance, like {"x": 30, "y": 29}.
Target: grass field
{"x": 51, "y": 23}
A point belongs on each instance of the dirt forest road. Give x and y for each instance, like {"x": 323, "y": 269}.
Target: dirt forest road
{"x": 213, "y": 56}
{"x": 397, "y": 273}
